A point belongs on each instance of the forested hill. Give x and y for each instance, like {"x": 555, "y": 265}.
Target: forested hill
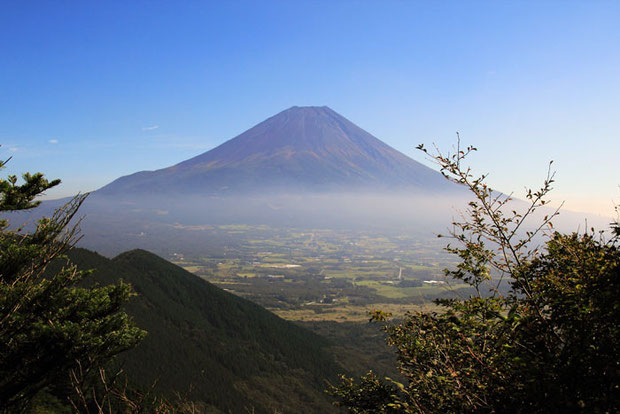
{"x": 211, "y": 345}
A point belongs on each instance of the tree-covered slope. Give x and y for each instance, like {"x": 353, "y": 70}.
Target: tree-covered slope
{"x": 211, "y": 345}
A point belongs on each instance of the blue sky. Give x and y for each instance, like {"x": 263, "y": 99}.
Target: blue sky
{"x": 90, "y": 91}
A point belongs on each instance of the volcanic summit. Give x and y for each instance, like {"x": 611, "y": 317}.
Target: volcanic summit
{"x": 300, "y": 149}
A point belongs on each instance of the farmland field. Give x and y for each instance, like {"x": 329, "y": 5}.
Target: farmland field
{"x": 326, "y": 275}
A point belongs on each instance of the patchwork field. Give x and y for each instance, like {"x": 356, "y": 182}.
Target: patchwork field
{"x": 326, "y": 275}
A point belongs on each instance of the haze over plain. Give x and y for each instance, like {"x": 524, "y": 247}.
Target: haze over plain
{"x": 303, "y": 168}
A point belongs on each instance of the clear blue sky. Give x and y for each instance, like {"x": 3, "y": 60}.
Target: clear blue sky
{"x": 90, "y": 91}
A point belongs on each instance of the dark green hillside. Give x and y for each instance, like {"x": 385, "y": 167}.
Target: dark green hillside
{"x": 212, "y": 345}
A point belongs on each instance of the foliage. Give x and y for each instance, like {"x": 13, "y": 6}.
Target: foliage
{"x": 49, "y": 325}
{"x": 548, "y": 341}
{"x": 371, "y": 395}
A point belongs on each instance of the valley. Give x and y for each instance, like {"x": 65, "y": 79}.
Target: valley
{"x": 324, "y": 275}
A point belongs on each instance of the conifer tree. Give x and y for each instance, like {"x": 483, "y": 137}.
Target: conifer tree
{"x": 49, "y": 324}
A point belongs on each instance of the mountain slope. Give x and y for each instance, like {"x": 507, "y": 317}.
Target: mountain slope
{"x": 305, "y": 167}
{"x": 301, "y": 148}
{"x": 211, "y": 345}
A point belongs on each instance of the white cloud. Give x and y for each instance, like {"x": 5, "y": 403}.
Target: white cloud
{"x": 150, "y": 128}
{"x": 13, "y": 149}
{"x": 53, "y": 141}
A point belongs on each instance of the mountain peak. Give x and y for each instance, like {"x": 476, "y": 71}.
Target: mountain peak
{"x": 306, "y": 112}
{"x": 308, "y": 108}
{"x": 302, "y": 148}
